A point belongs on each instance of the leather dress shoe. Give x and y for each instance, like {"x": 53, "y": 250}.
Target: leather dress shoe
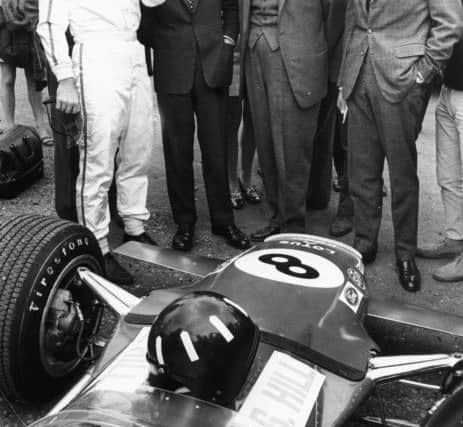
{"x": 368, "y": 252}
{"x": 233, "y": 235}
{"x": 261, "y": 234}
{"x": 141, "y": 238}
{"x": 115, "y": 272}
{"x": 409, "y": 275}
{"x": 183, "y": 237}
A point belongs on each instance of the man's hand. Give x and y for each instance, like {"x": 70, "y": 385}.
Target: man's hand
{"x": 67, "y": 97}
{"x": 342, "y": 106}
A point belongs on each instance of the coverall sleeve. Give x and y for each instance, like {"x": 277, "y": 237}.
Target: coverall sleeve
{"x": 52, "y": 26}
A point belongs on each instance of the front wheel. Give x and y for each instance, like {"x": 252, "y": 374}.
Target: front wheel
{"x": 47, "y": 316}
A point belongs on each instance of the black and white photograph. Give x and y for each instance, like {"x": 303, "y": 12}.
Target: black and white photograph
{"x": 231, "y": 213}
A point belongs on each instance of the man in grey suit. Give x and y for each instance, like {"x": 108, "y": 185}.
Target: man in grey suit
{"x": 392, "y": 51}
{"x": 285, "y": 56}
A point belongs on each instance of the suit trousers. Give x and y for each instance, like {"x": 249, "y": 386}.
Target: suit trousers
{"x": 378, "y": 129}
{"x": 284, "y": 135}
{"x": 319, "y": 192}
{"x": 178, "y": 125}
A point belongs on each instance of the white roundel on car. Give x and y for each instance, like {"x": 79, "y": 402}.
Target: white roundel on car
{"x": 299, "y": 268}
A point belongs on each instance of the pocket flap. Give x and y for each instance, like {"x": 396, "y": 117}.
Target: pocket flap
{"x": 416, "y": 49}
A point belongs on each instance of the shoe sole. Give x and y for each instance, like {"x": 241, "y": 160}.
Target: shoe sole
{"x": 447, "y": 279}
{"x": 446, "y": 255}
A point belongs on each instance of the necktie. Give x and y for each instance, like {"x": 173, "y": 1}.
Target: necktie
{"x": 368, "y": 5}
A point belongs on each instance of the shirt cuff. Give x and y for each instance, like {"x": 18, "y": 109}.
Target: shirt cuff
{"x": 152, "y": 3}
{"x": 63, "y": 71}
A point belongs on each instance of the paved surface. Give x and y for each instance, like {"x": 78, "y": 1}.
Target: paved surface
{"x": 381, "y": 275}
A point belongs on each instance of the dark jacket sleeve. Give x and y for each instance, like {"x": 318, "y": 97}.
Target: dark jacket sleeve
{"x": 145, "y": 30}
{"x": 230, "y": 18}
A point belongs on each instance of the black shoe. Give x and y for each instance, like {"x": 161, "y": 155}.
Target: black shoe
{"x": 409, "y": 275}
{"x": 115, "y": 272}
{"x": 233, "y": 235}
{"x": 341, "y": 226}
{"x": 183, "y": 237}
{"x": 368, "y": 252}
{"x": 261, "y": 234}
{"x": 141, "y": 238}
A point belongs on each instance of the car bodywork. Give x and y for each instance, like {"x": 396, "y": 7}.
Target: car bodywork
{"x": 308, "y": 296}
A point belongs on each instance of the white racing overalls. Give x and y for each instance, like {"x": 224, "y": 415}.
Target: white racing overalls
{"x": 116, "y": 97}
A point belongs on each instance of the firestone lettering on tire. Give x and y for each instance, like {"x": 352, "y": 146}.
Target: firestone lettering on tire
{"x": 65, "y": 253}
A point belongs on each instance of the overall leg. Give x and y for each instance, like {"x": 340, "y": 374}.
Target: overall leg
{"x": 177, "y": 123}
{"x": 134, "y": 155}
{"x": 101, "y": 109}
{"x": 7, "y": 95}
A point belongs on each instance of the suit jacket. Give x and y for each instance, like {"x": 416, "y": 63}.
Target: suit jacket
{"x": 303, "y": 46}
{"x": 402, "y": 38}
{"x": 180, "y": 36}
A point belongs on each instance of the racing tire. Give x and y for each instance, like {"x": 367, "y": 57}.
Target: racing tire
{"x": 38, "y": 255}
{"x": 448, "y": 412}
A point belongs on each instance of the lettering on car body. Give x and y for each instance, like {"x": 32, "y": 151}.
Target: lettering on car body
{"x": 285, "y": 394}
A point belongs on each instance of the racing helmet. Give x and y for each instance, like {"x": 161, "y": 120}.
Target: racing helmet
{"x": 206, "y": 343}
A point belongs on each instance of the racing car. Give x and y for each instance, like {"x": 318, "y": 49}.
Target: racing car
{"x": 323, "y": 345}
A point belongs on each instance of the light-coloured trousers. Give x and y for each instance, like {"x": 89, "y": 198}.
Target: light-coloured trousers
{"x": 449, "y": 158}
{"x": 118, "y": 126}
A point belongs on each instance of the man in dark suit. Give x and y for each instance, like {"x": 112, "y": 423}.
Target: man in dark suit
{"x": 285, "y": 55}
{"x": 193, "y": 44}
{"x": 393, "y": 49}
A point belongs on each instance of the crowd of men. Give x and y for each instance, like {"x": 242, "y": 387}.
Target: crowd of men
{"x": 300, "y": 62}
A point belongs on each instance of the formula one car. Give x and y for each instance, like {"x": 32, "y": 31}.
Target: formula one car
{"x": 323, "y": 343}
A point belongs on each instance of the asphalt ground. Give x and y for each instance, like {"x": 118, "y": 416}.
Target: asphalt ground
{"x": 381, "y": 276}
